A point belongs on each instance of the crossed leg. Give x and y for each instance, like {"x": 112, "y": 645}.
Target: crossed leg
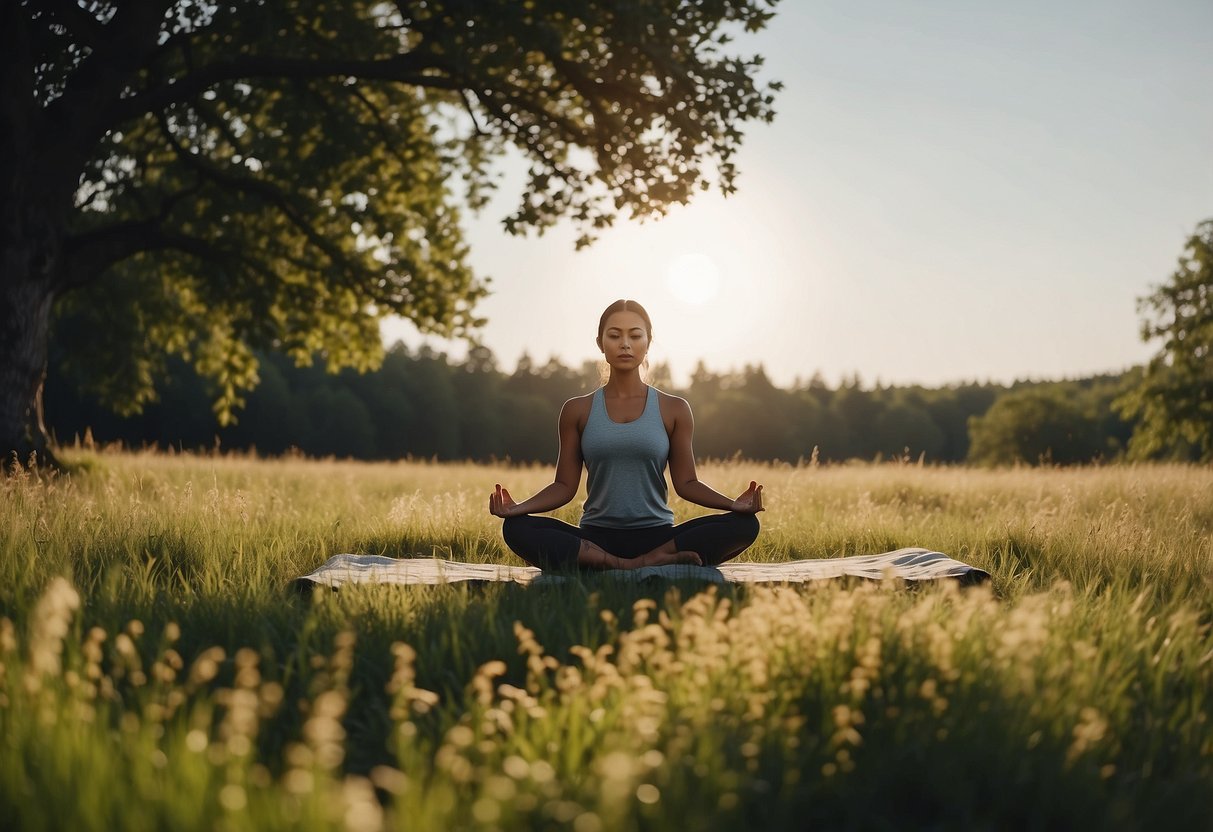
{"x": 717, "y": 537}
{"x": 553, "y": 544}
{"x": 592, "y": 556}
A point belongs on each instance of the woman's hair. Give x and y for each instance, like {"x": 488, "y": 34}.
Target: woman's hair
{"x": 624, "y": 306}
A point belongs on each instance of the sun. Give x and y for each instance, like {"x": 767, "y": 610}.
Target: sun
{"x": 693, "y": 278}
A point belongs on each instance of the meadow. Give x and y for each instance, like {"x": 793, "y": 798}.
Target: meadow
{"x": 157, "y": 670}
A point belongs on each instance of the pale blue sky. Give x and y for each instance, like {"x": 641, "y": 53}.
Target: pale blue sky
{"x": 950, "y": 191}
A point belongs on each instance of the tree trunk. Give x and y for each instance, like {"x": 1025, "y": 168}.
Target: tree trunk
{"x": 31, "y": 267}
{"x": 24, "y": 317}
{"x": 35, "y": 201}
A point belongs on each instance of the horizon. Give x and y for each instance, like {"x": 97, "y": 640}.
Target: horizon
{"x": 797, "y": 382}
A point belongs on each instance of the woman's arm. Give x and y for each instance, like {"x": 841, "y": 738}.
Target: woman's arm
{"x": 682, "y": 469}
{"x": 568, "y": 473}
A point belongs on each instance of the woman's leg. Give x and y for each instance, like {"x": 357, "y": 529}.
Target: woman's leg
{"x": 717, "y": 537}
{"x": 543, "y": 541}
{"x": 632, "y": 548}
{"x": 553, "y": 544}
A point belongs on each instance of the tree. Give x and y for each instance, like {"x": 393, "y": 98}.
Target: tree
{"x": 951, "y": 408}
{"x": 1033, "y": 425}
{"x": 907, "y": 427}
{"x": 1174, "y": 398}
{"x": 856, "y": 410}
{"x": 204, "y": 180}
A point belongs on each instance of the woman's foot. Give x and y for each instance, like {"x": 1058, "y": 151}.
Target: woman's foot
{"x": 592, "y": 556}
{"x": 657, "y": 557}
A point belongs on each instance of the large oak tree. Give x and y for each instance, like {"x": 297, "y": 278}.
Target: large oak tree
{"x": 205, "y": 179}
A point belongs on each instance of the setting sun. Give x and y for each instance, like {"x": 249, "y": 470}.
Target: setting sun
{"x": 693, "y": 278}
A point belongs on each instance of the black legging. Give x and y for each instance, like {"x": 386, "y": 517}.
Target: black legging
{"x": 552, "y": 544}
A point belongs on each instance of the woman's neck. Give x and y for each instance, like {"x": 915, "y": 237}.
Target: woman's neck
{"x": 625, "y": 385}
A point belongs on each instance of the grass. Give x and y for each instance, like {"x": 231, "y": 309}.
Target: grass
{"x": 157, "y": 671}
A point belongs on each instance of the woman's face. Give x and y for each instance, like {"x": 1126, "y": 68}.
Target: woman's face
{"x": 625, "y": 341}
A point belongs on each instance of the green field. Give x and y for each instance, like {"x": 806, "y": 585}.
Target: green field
{"x": 157, "y": 671}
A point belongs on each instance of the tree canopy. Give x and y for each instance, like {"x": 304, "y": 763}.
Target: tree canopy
{"x": 207, "y": 180}
{"x": 1174, "y": 398}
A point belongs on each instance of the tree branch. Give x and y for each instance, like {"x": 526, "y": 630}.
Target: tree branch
{"x": 80, "y": 23}
{"x": 467, "y": 105}
{"x": 211, "y": 116}
{"x": 107, "y": 246}
{"x": 381, "y": 125}
{"x": 90, "y": 253}
{"x": 406, "y": 69}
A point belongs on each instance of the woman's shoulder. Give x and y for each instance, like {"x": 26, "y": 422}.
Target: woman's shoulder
{"x": 672, "y": 404}
{"x": 578, "y": 406}
{"x": 583, "y": 400}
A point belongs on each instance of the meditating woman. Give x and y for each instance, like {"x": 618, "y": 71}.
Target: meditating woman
{"x": 625, "y": 432}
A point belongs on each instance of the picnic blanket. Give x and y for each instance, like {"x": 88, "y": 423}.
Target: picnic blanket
{"x": 910, "y": 564}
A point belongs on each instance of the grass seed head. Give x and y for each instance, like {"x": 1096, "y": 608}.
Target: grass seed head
{"x": 50, "y": 624}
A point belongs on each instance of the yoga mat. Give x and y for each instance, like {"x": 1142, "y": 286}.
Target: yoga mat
{"x": 911, "y": 564}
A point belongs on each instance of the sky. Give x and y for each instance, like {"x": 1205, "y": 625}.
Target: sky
{"x": 950, "y": 191}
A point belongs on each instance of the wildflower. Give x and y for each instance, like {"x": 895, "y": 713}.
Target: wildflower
{"x": 206, "y": 666}
{"x": 407, "y": 697}
{"x": 482, "y": 682}
{"x": 647, "y": 793}
{"x": 323, "y": 731}
{"x": 1090, "y": 730}
{"x": 362, "y": 809}
{"x": 51, "y": 619}
{"x": 391, "y": 780}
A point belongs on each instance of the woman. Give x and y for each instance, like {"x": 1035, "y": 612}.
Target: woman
{"x": 625, "y": 432}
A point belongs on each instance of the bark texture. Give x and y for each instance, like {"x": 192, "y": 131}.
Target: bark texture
{"x": 31, "y": 256}
{"x": 24, "y": 317}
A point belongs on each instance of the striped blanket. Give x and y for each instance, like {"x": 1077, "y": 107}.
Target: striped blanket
{"x": 905, "y": 564}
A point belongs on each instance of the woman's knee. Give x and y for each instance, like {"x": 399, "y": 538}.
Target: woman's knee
{"x": 747, "y": 525}
{"x": 514, "y": 527}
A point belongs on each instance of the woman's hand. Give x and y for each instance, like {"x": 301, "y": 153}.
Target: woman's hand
{"x": 501, "y": 504}
{"x": 750, "y": 501}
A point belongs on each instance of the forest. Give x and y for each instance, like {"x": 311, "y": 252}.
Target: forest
{"x": 425, "y": 405}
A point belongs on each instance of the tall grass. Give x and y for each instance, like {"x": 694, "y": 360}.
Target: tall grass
{"x": 157, "y": 669}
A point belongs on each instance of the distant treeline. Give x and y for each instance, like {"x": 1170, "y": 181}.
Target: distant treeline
{"x": 425, "y": 405}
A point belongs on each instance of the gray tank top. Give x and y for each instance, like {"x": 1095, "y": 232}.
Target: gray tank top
{"x": 625, "y": 486}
